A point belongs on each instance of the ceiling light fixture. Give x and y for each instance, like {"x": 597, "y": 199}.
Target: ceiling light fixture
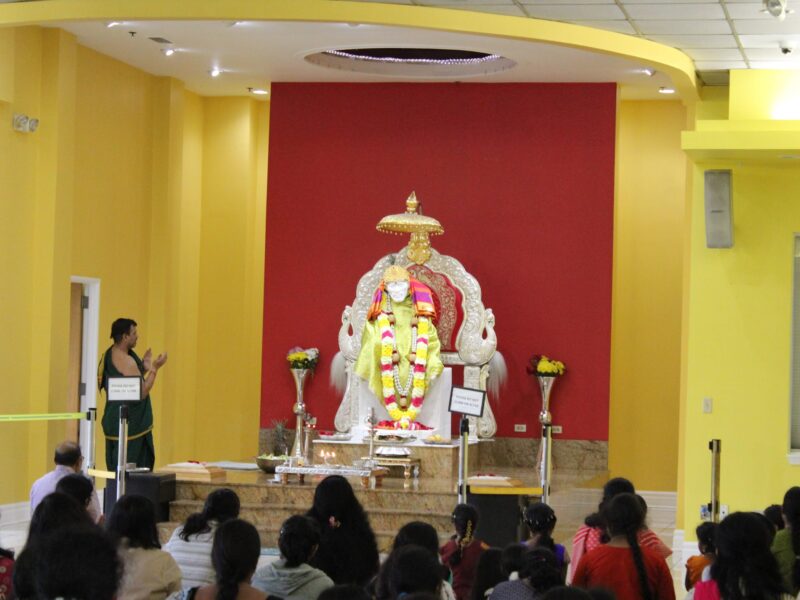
{"x": 236, "y": 23}
{"x": 168, "y": 51}
{"x": 258, "y": 91}
{"x": 111, "y": 24}
{"x": 666, "y": 90}
{"x": 777, "y": 8}
{"x": 649, "y": 72}
{"x": 215, "y": 72}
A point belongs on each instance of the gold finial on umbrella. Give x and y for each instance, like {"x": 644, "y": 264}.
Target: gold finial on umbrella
{"x": 415, "y": 223}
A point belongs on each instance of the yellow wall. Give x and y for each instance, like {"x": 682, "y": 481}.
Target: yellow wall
{"x": 135, "y": 181}
{"x": 738, "y": 343}
{"x": 646, "y": 311}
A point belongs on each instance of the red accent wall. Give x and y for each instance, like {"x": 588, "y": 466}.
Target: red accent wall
{"x": 520, "y": 175}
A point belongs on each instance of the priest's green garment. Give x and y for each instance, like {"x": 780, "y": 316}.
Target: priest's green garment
{"x": 140, "y": 420}
{"x": 368, "y": 365}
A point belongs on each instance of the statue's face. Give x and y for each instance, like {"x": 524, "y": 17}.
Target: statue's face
{"x": 398, "y": 290}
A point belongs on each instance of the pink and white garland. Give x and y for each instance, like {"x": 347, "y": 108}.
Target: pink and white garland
{"x": 390, "y": 359}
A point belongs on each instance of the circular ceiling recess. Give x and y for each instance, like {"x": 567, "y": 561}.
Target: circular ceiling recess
{"x": 412, "y": 62}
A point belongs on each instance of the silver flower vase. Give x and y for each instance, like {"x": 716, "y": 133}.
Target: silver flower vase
{"x": 299, "y": 409}
{"x": 545, "y": 453}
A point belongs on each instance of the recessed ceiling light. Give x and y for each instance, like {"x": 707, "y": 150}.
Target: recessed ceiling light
{"x": 111, "y": 24}
{"x": 649, "y": 72}
{"x": 168, "y": 51}
{"x": 666, "y": 90}
{"x": 258, "y": 91}
{"x": 236, "y": 23}
{"x": 215, "y": 72}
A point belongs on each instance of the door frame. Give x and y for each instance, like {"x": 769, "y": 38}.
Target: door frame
{"x": 89, "y": 357}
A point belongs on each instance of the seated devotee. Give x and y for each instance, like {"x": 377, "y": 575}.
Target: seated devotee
{"x": 488, "y": 574}
{"x": 592, "y": 533}
{"x": 540, "y": 572}
{"x": 291, "y": 577}
{"x": 461, "y": 553}
{"x": 423, "y": 535}
{"x": 80, "y": 563}
{"x": 541, "y": 521}
{"x": 348, "y": 551}
{"x": 69, "y": 460}
{"x": 6, "y": 574}
{"x": 149, "y": 572}
{"x": 512, "y": 560}
{"x": 408, "y": 570}
{"x": 774, "y": 513}
{"x": 80, "y": 488}
{"x": 631, "y": 571}
{"x": 695, "y": 565}
{"x": 744, "y": 566}
{"x": 234, "y": 554}
{"x": 55, "y": 512}
{"x": 345, "y": 591}
{"x": 190, "y": 544}
{"x": 786, "y": 544}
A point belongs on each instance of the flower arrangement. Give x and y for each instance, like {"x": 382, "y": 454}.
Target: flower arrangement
{"x": 303, "y": 359}
{"x": 542, "y": 366}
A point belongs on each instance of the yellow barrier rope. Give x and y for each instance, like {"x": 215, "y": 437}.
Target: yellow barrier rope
{"x": 43, "y": 417}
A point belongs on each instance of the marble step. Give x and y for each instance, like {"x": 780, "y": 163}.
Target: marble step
{"x": 269, "y": 536}
{"x": 424, "y": 497}
{"x": 272, "y": 515}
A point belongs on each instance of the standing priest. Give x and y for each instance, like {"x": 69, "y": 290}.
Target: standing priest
{"x": 121, "y": 361}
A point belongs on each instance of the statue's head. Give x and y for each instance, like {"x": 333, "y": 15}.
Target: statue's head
{"x": 396, "y": 281}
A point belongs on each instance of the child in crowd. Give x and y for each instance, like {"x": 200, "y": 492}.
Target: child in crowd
{"x": 512, "y": 560}
{"x": 786, "y": 543}
{"x": 539, "y": 573}
{"x": 291, "y": 577}
{"x": 190, "y": 544}
{"x": 696, "y": 564}
{"x": 631, "y": 571}
{"x": 592, "y": 533}
{"x": 488, "y": 573}
{"x": 410, "y": 570}
{"x": 744, "y": 566}
{"x": 462, "y": 551}
{"x": 541, "y": 521}
{"x": 775, "y": 515}
{"x": 149, "y": 572}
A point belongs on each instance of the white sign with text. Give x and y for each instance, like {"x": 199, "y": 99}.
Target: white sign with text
{"x": 124, "y": 389}
{"x": 467, "y": 401}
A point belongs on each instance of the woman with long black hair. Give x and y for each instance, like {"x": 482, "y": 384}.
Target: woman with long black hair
{"x": 190, "y": 544}
{"x": 234, "y": 553}
{"x": 786, "y": 545}
{"x": 348, "y": 551}
{"x": 629, "y": 570}
{"x": 463, "y": 550}
{"x": 744, "y": 568}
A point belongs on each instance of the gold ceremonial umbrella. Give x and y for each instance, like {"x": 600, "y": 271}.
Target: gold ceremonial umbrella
{"x": 418, "y": 225}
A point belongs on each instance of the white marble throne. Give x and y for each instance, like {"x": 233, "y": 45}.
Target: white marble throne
{"x": 466, "y": 333}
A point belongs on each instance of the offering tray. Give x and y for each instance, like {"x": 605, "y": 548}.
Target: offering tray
{"x": 365, "y": 473}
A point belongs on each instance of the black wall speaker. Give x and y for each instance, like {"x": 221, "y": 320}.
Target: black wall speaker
{"x": 719, "y": 209}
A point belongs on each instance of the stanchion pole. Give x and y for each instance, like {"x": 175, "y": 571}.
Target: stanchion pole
{"x": 547, "y": 455}
{"x": 463, "y": 450}
{"x": 91, "y": 416}
{"x": 716, "y": 453}
{"x": 122, "y": 450}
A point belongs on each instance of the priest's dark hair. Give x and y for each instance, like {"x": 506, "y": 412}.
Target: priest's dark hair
{"x": 120, "y": 327}
{"x": 221, "y": 505}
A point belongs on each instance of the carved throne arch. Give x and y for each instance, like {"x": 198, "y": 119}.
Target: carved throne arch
{"x": 465, "y": 327}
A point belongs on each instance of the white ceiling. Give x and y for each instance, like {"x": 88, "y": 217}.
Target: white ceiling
{"x": 256, "y": 53}
{"x": 716, "y": 34}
